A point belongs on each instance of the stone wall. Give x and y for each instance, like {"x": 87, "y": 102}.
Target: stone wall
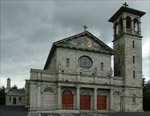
{"x": 74, "y": 55}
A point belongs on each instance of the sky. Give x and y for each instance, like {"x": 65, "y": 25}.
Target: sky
{"x": 28, "y": 29}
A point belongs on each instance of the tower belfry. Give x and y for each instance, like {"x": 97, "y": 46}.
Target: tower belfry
{"x": 127, "y": 43}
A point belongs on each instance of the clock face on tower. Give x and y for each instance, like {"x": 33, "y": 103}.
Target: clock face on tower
{"x": 85, "y": 62}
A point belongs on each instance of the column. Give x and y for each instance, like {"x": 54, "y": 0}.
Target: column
{"x": 39, "y": 90}
{"x": 111, "y": 99}
{"x": 114, "y": 29}
{"x": 78, "y": 98}
{"x": 59, "y": 77}
{"x": 139, "y": 27}
{"x": 119, "y": 28}
{"x": 78, "y": 78}
{"x": 95, "y": 79}
{"x": 59, "y": 97}
{"x": 132, "y": 26}
{"x": 95, "y": 99}
{"x": 124, "y": 25}
{"x": 38, "y": 95}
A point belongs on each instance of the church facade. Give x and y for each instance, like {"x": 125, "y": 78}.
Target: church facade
{"x": 78, "y": 75}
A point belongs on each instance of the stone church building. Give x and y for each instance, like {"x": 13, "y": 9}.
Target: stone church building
{"x": 78, "y": 75}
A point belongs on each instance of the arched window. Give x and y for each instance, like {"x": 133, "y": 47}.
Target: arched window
{"x": 48, "y": 90}
{"x": 85, "y": 92}
{"x": 128, "y": 23}
{"x": 102, "y": 92}
{"x": 135, "y": 25}
{"x": 121, "y": 25}
{"x": 116, "y": 93}
{"x": 116, "y": 29}
{"x": 67, "y": 91}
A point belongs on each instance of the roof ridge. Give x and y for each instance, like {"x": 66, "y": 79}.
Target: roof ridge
{"x": 70, "y": 37}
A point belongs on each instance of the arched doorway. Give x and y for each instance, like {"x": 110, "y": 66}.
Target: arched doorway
{"x": 67, "y": 99}
{"x": 85, "y": 99}
{"x": 102, "y": 99}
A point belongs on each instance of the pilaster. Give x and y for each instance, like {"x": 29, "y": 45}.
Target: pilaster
{"x": 95, "y": 99}
{"x": 77, "y": 98}
{"x": 59, "y": 97}
{"x": 124, "y": 25}
{"x": 111, "y": 100}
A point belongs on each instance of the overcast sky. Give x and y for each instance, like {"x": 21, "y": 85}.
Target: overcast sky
{"x": 28, "y": 29}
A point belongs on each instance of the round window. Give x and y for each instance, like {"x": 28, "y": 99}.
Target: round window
{"x": 85, "y": 62}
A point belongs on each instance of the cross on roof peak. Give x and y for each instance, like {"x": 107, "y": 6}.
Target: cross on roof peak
{"x": 85, "y": 27}
{"x": 125, "y": 4}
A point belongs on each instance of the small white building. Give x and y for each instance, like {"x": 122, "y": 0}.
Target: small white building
{"x": 14, "y": 97}
{"x": 78, "y": 74}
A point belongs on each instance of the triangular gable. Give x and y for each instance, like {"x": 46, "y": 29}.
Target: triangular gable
{"x": 85, "y": 41}
{"x": 82, "y": 41}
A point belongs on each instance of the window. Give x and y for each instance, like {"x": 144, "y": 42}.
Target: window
{"x": 133, "y": 59}
{"x": 133, "y": 44}
{"x": 48, "y": 90}
{"x": 134, "y": 74}
{"x": 67, "y": 91}
{"x": 118, "y": 60}
{"x": 9, "y": 98}
{"x": 116, "y": 93}
{"x": 67, "y": 62}
{"x": 134, "y": 99}
{"x": 102, "y": 66}
{"x": 135, "y": 25}
{"x": 118, "y": 46}
{"x": 128, "y": 22}
{"x": 20, "y": 98}
{"x": 119, "y": 73}
{"x": 85, "y": 62}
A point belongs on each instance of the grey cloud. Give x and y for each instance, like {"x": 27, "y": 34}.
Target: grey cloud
{"x": 28, "y": 29}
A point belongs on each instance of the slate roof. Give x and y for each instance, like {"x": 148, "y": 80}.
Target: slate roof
{"x": 128, "y": 10}
{"x": 16, "y": 92}
{"x": 105, "y": 49}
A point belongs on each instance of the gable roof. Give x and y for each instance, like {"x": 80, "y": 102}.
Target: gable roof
{"x": 16, "y": 92}
{"x": 72, "y": 43}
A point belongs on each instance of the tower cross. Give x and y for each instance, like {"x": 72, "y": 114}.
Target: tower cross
{"x": 85, "y": 27}
{"x": 125, "y": 4}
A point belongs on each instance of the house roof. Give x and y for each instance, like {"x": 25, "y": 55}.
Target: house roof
{"x": 128, "y": 10}
{"x": 16, "y": 92}
{"x": 82, "y": 41}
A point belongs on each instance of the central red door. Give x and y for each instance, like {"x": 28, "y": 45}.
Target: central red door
{"x": 85, "y": 102}
{"x": 101, "y": 102}
{"x": 67, "y": 101}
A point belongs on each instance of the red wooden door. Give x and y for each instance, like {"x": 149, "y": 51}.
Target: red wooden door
{"x": 67, "y": 101}
{"x": 85, "y": 102}
{"x": 101, "y": 102}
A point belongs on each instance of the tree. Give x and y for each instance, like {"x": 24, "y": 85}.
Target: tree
{"x": 146, "y": 94}
{"x": 14, "y": 87}
{"x": 2, "y": 95}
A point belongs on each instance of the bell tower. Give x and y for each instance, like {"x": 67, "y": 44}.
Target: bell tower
{"x": 127, "y": 44}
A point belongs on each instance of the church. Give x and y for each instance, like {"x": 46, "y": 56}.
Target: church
{"x": 77, "y": 75}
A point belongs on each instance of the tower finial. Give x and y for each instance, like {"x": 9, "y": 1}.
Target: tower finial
{"x": 125, "y": 4}
{"x": 85, "y": 27}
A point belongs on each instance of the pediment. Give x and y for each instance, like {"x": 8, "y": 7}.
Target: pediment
{"x": 85, "y": 41}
